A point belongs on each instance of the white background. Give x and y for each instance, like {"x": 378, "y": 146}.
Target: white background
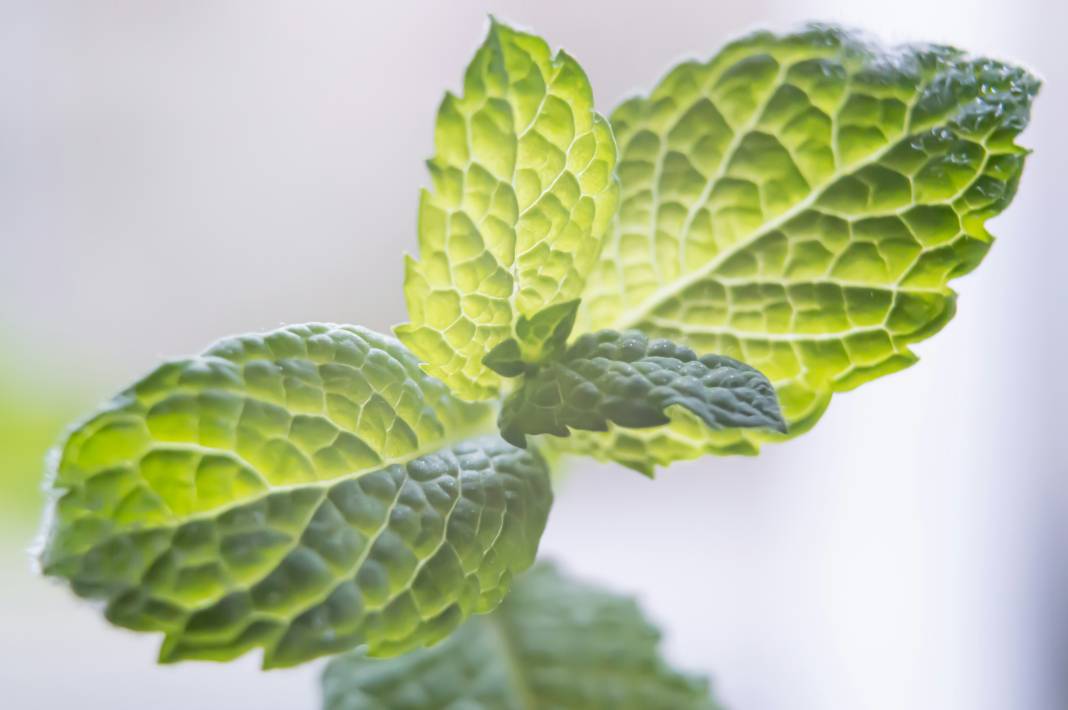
{"x": 172, "y": 172}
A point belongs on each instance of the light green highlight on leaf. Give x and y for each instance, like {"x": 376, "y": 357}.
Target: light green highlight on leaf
{"x": 554, "y": 643}
{"x": 625, "y": 379}
{"x": 304, "y": 491}
{"x": 800, "y": 203}
{"x": 523, "y": 190}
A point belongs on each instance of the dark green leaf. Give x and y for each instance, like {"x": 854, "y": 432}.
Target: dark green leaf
{"x": 625, "y": 379}
{"x": 506, "y": 359}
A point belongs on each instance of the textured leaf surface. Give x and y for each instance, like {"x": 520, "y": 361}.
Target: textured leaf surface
{"x": 523, "y": 192}
{"x": 554, "y": 644}
{"x": 626, "y": 379}
{"x": 298, "y": 491}
{"x": 800, "y": 203}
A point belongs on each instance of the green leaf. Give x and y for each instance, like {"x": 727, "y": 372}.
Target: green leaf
{"x": 506, "y": 359}
{"x": 539, "y": 338}
{"x": 304, "y": 491}
{"x": 523, "y": 192}
{"x": 800, "y": 203}
{"x": 626, "y": 379}
{"x": 554, "y": 643}
{"x": 544, "y": 336}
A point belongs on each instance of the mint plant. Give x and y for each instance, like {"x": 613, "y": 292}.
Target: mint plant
{"x": 698, "y": 274}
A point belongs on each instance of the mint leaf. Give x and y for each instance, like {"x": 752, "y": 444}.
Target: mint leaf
{"x": 303, "y": 491}
{"x": 523, "y": 192}
{"x": 544, "y": 335}
{"x": 625, "y": 379}
{"x": 553, "y": 643}
{"x": 800, "y": 203}
{"x": 540, "y": 337}
{"x": 506, "y": 359}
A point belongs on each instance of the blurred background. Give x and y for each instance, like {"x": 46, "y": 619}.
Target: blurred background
{"x": 173, "y": 172}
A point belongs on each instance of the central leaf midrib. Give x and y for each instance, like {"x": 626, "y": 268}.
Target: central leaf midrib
{"x": 512, "y": 659}
{"x": 178, "y": 521}
{"x": 633, "y": 317}
{"x": 340, "y": 578}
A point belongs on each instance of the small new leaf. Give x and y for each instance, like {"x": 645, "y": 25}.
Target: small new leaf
{"x": 303, "y": 491}
{"x": 543, "y": 336}
{"x": 540, "y": 337}
{"x": 625, "y": 379}
{"x": 553, "y": 643}
{"x": 506, "y": 359}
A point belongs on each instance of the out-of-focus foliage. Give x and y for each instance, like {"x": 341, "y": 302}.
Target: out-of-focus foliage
{"x": 555, "y": 644}
{"x": 34, "y": 410}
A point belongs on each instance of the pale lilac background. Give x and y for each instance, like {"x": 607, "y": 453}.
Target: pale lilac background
{"x": 171, "y": 172}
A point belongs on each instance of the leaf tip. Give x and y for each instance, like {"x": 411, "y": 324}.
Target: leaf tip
{"x": 505, "y": 359}
{"x": 644, "y": 468}
{"x": 514, "y": 436}
{"x": 497, "y": 28}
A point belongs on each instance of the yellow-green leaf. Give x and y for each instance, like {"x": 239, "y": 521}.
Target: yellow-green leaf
{"x": 800, "y": 203}
{"x": 523, "y": 192}
{"x": 304, "y": 491}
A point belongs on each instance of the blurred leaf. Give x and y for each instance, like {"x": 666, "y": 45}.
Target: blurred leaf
{"x": 302, "y": 491}
{"x": 31, "y": 421}
{"x": 523, "y": 192}
{"x": 554, "y": 644}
